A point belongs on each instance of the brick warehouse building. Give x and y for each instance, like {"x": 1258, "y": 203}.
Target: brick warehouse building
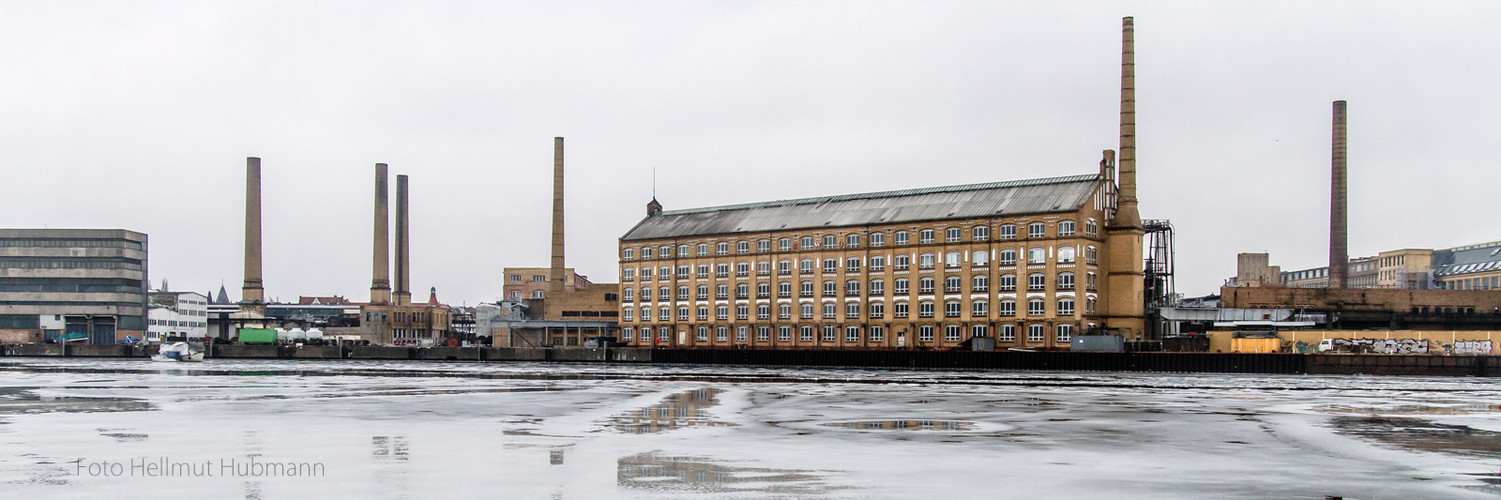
{"x": 1024, "y": 262}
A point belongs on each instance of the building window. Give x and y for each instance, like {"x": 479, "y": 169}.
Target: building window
{"x": 1035, "y": 333}
{"x": 953, "y": 234}
{"x": 784, "y": 289}
{"x": 722, "y": 312}
{"x": 763, "y": 311}
{"x": 830, "y": 241}
{"x": 537, "y": 294}
{"x": 953, "y": 259}
{"x": 1065, "y": 333}
{"x": 806, "y": 289}
{"x": 980, "y": 258}
{"x": 852, "y": 265}
{"x": 877, "y": 333}
{"x": 784, "y": 244}
{"x": 1065, "y": 281}
{"x": 646, "y": 314}
{"x": 852, "y": 241}
{"x": 763, "y": 268}
{"x": 829, "y": 333}
{"x": 1089, "y": 281}
{"x": 1037, "y": 255}
{"x": 806, "y": 242}
{"x": 830, "y": 311}
{"x": 852, "y": 334}
{"x": 742, "y": 291}
{"x": 979, "y": 308}
{"x": 830, "y": 265}
{"x": 1037, "y": 230}
{"x": 951, "y": 333}
{"x": 1065, "y": 255}
{"x": 925, "y": 261}
{"x": 721, "y": 270}
{"x": 784, "y": 311}
{"x": 784, "y": 333}
{"x": 721, "y": 291}
{"x": 925, "y": 333}
{"x": 901, "y": 262}
{"x": 740, "y": 333}
{"x": 627, "y": 254}
{"x": 701, "y": 271}
{"x": 807, "y": 310}
{"x": 877, "y": 239}
{"x": 703, "y": 292}
{"x": 925, "y": 309}
{"x": 980, "y": 283}
{"x": 763, "y": 246}
{"x": 1066, "y": 228}
{"x": 763, "y": 290}
{"x": 805, "y": 333}
{"x": 646, "y": 294}
{"x": 830, "y": 288}
{"x": 742, "y": 247}
{"x": 702, "y": 334}
{"x": 1066, "y": 306}
{"x": 953, "y": 309}
{"x": 645, "y": 254}
{"x": 1035, "y": 307}
{"x": 784, "y": 267}
{"x": 1006, "y": 333}
{"x": 1036, "y": 281}
{"x": 664, "y": 334}
{"x": 925, "y": 285}
{"x": 1091, "y": 228}
{"x": 877, "y": 263}
{"x": 763, "y": 333}
{"x": 721, "y": 248}
{"x": 877, "y": 287}
{"x": 926, "y": 236}
{"x": 683, "y": 293}
{"x": 664, "y": 272}
{"x": 980, "y": 233}
{"x": 1091, "y": 255}
{"x": 742, "y": 269}
{"x": 852, "y": 310}
{"x": 899, "y": 310}
{"x": 953, "y": 284}
{"x": 683, "y": 251}
{"x": 1006, "y": 232}
{"x": 628, "y": 295}
{"x": 901, "y": 286}
{"x": 628, "y": 274}
{"x": 742, "y": 311}
{"x": 852, "y": 287}
{"x": 1006, "y": 258}
{"x": 703, "y": 313}
{"x": 877, "y": 310}
{"x": 702, "y": 248}
{"x": 901, "y": 237}
{"x": 1089, "y": 305}
{"x": 627, "y": 334}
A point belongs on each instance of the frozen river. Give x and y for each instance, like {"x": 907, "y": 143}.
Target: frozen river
{"x": 349, "y": 429}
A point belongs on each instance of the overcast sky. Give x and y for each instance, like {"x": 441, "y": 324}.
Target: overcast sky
{"x": 139, "y": 115}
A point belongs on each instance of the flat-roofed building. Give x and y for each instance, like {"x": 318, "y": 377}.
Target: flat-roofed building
{"x": 72, "y": 281}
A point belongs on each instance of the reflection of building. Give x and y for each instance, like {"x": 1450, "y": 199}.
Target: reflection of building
{"x": 658, "y": 473}
{"x": 77, "y": 281}
{"x": 686, "y": 409}
{"x": 176, "y": 315}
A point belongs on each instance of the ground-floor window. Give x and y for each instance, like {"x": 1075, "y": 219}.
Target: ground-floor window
{"x": 1006, "y": 333}
{"x": 925, "y": 333}
{"x": 951, "y": 333}
{"x": 1065, "y": 332}
{"x": 877, "y": 333}
{"x": 851, "y": 334}
{"x": 1035, "y": 333}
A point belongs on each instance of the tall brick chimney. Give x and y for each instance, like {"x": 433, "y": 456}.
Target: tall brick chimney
{"x": 555, "y": 274}
{"x": 1339, "y": 250}
{"x": 1126, "y": 214}
{"x": 380, "y": 275}
{"x": 252, "y": 293}
{"x": 403, "y": 294}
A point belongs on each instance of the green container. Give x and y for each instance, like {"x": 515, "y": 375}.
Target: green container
{"x": 257, "y": 336}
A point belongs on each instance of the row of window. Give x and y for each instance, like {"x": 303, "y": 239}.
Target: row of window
{"x": 900, "y": 286}
{"x": 853, "y": 310}
{"x": 68, "y": 243}
{"x": 900, "y": 262}
{"x": 877, "y": 239}
{"x": 1491, "y": 283}
{"x": 67, "y": 263}
{"x": 852, "y": 334}
{"x": 173, "y": 322}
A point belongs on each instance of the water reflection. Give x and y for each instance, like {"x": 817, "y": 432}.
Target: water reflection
{"x": 22, "y": 400}
{"x": 659, "y": 473}
{"x": 1421, "y": 435}
{"x": 898, "y": 425}
{"x": 685, "y": 409}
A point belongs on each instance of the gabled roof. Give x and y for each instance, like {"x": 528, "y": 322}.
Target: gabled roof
{"x": 1029, "y": 196}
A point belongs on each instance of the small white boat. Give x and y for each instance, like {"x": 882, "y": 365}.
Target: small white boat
{"x": 178, "y": 351}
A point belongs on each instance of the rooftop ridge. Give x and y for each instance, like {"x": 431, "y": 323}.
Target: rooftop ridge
{"x": 1476, "y": 246}
{"x": 888, "y": 194}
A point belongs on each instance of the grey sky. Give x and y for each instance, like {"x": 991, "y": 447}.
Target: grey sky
{"x": 140, "y": 115}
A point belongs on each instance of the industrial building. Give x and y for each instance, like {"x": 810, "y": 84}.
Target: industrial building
{"x": 1468, "y": 267}
{"x": 76, "y": 282}
{"x": 1027, "y": 263}
{"x": 176, "y": 315}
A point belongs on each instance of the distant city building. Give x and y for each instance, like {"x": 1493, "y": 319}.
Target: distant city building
{"x": 177, "y": 315}
{"x": 312, "y": 311}
{"x": 91, "y": 282}
{"x": 1470, "y": 267}
{"x": 523, "y": 283}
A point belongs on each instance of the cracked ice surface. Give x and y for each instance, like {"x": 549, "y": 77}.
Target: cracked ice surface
{"x": 524, "y": 430}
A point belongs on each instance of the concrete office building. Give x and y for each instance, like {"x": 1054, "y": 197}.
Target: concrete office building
{"x": 72, "y": 281}
{"x": 176, "y": 315}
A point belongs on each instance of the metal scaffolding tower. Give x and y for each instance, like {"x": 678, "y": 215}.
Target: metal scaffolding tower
{"x": 1158, "y": 271}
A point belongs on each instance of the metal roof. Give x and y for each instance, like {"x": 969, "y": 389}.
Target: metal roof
{"x": 1484, "y": 257}
{"x": 1028, "y": 196}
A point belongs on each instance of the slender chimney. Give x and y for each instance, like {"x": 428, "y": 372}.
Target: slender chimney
{"x": 403, "y": 295}
{"x": 252, "y": 292}
{"x": 1126, "y": 214}
{"x": 380, "y": 282}
{"x": 1339, "y": 251}
{"x": 556, "y": 277}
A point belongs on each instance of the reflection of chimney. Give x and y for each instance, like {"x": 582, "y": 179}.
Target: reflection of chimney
{"x": 380, "y": 282}
{"x": 252, "y": 292}
{"x": 1126, "y": 214}
{"x": 556, "y": 277}
{"x": 403, "y": 295}
{"x": 1339, "y": 252}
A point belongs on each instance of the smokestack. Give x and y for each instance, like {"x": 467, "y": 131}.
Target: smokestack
{"x": 380, "y": 282}
{"x": 1339, "y": 251}
{"x": 1126, "y": 214}
{"x": 252, "y": 292}
{"x": 556, "y": 273}
{"x": 403, "y": 295}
